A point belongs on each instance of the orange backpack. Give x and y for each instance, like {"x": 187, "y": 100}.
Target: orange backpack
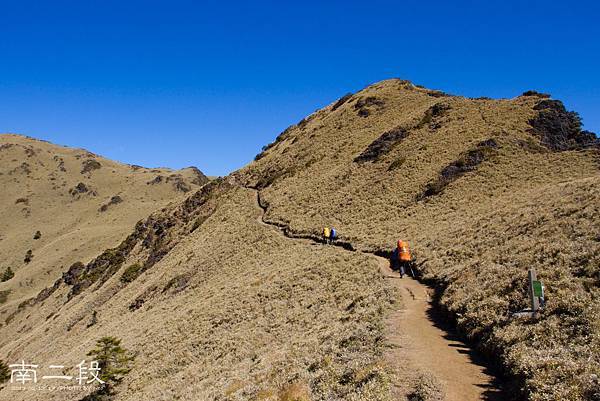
{"x": 403, "y": 251}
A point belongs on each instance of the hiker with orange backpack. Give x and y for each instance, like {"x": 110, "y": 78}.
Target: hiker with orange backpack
{"x": 402, "y": 258}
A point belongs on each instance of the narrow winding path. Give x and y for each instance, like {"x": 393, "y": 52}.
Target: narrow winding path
{"x": 420, "y": 343}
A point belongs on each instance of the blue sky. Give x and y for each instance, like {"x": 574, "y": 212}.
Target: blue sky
{"x": 175, "y": 83}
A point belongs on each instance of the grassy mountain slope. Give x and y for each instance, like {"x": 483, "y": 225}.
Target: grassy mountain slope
{"x": 79, "y": 202}
{"x": 234, "y": 311}
{"x": 483, "y": 189}
{"x": 216, "y": 305}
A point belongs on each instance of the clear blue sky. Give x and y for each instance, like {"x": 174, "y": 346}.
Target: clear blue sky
{"x": 174, "y": 83}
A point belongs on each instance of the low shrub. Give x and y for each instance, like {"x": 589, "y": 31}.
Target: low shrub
{"x": 4, "y": 296}
{"x": 177, "y": 284}
{"x": 382, "y": 145}
{"x": 80, "y": 188}
{"x": 93, "y": 319}
{"x": 90, "y": 165}
{"x": 536, "y": 94}
{"x": 114, "y": 363}
{"x": 436, "y": 93}
{"x": 4, "y": 372}
{"x": 396, "y": 164}
{"x": 131, "y": 273}
{"x": 341, "y": 101}
{"x": 28, "y": 256}
{"x": 364, "y": 104}
{"x": 364, "y": 113}
{"x": 115, "y": 199}
{"x": 431, "y": 114}
{"x": 280, "y": 138}
{"x": 7, "y": 275}
{"x": 559, "y": 129}
{"x": 466, "y": 162}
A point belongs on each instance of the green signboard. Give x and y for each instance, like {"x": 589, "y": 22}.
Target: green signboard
{"x": 537, "y": 288}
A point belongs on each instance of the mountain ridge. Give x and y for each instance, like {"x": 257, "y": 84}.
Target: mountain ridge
{"x": 471, "y": 183}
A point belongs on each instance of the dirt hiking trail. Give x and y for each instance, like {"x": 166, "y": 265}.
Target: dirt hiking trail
{"x": 419, "y": 343}
{"x": 419, "y": 339}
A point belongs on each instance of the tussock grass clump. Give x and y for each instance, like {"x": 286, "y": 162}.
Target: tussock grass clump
{"x": 295, "y": 392}
{"x": 427, "y": 388}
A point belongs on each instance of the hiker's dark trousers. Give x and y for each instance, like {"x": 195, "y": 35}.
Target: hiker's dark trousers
{"x": 403, "y": 267}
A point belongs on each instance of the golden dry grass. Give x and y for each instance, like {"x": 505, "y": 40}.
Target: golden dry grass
{"x": 524, "y": 206}
{"x": 38, "y": 181}
{"x": 261, "y": 316}
{"x": 236, "y": 311}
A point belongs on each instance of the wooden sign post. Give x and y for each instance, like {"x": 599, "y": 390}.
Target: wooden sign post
{"x": 536, "y": 292}
{"x": 536, "y": 296}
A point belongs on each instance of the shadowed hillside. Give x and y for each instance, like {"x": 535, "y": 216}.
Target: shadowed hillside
{"x": 218, "y": 305}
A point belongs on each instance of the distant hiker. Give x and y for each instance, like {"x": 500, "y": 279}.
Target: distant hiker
{"x": 326, "y": 234}
{"x": 332, "y": 235}
{"x": 402, "y": 258}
